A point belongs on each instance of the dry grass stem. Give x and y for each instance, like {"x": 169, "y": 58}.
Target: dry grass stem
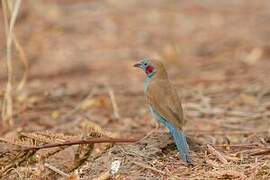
{"x": 76, "y": 142}
{"x": 262, "y": 152}
{"x": 216, "y": 153}
{"x": 237, "y": 145}
{"x": 114, "y": 104}
{"x": 24, "y": 61}
{"x": 56, "y": 170}
{"x": 10, "y": 10}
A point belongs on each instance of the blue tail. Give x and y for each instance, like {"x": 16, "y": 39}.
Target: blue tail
{"x": 181, "y": 143}
{"x": 178, "y": 137}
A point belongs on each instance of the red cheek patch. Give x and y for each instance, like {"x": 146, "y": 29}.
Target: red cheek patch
{"x": 149, "y": 69}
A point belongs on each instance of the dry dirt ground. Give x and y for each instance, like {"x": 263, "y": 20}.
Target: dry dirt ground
{"x": 81, "y": 84}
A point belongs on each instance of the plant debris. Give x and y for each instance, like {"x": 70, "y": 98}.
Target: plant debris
{"x": 74, "y": 87}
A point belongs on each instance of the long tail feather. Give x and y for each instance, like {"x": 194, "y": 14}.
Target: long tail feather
{"x": 181, "y": 143}
{"x": 178, "y": 137}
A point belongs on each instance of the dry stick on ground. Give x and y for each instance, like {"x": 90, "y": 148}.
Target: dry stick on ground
{"x": 56, "y": 170}
{"x": 214, "y": 152}
{"x": 89, "y": 141}
{"x": 237, "y": 145}
{"x": 263, "y": 152}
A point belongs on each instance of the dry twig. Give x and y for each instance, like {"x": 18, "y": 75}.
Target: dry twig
{"x": 237, "y": 145}
{"x": 263, "y": 152}
{"x": 58, "y": 171}
{"x": 216, "y": 153}
{"x": 89, "y": 141}
{"x": 7, "y": 107}
{"x": 114, "y": 104}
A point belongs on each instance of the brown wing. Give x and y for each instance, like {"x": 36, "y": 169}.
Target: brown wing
{"x": 163, "y": 98}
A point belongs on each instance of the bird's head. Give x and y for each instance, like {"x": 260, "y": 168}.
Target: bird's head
{"x": 152, "y": 68}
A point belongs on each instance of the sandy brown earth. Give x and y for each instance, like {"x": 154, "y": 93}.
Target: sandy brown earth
{"x": 81, "y": 84}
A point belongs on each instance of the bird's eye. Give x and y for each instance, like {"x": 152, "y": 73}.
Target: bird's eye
{"x": 145, "y": 64}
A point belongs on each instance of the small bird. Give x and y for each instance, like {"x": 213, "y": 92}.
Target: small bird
{"x": 164, "y": 103}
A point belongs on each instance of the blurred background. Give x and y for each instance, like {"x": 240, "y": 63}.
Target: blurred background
{"x": 217, "y": 54}
{"x": 98, "y": 38}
